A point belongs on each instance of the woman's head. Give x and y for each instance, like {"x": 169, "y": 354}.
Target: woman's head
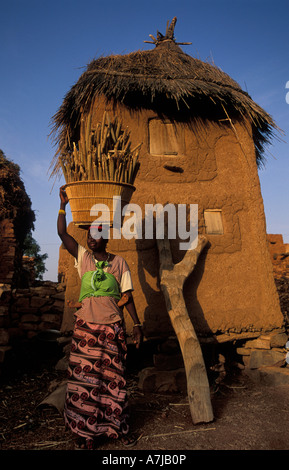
{"x": 97, "y": 238}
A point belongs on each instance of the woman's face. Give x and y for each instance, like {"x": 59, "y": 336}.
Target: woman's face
{"x": 95, "y": 242}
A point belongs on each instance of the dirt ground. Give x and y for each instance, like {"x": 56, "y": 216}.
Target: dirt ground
{"x": 247, "y": 416}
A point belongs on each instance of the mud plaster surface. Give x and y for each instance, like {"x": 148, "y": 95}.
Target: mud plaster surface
{"x": 232, "y": 287}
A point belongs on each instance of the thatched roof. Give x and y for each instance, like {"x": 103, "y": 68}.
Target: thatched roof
{"x": 165, "y": 79}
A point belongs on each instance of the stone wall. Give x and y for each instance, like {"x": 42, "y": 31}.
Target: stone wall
{"x": 36, "y": 309}
{"x": 279, "y": 252}
{"x": 263, "y": 358}
{"x": 27, "y": 312}
{"x": 7, "y": 251}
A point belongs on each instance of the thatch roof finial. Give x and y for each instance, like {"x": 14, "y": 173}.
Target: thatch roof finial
{"x": 169, "y": 35}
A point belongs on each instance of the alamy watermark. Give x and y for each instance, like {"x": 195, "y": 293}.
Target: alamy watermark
{"x": 178, "y": 220}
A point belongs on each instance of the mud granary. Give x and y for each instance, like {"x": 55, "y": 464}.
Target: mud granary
{"x": 203, "y": 141}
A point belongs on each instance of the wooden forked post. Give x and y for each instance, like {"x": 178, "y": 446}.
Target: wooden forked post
{"x": 172, "y": 278}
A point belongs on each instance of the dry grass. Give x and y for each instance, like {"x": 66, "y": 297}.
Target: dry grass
{"x": 167, "y": 80}
{"x": 103, "y": 153}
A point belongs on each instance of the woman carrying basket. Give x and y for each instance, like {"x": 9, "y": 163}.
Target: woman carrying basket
{"x": 96, "y": 399}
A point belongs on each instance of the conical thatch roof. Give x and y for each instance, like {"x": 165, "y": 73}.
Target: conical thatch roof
{"x": 165, "y": 79}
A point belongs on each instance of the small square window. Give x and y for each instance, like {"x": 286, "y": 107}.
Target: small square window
{"x": 213, "y": 222}
{"x": 162, "y": 138}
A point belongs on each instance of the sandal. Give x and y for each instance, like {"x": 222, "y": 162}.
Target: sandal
{"x": 129, "y": 441}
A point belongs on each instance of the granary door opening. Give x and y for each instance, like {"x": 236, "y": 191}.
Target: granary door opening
{"x": 163, "y": 138}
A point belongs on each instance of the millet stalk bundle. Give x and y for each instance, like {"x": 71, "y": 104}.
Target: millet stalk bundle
{"x": 103, "y": 153}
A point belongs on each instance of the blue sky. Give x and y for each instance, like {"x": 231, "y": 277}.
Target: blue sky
{"x": 45, "y": 46}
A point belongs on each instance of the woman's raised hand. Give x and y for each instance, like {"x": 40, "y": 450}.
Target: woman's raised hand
{"x": 63, "y": 195}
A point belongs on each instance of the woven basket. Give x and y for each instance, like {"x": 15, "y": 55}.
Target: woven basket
{"x": 83, "y": 195}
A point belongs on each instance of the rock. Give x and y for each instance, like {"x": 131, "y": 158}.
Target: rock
{"x": 50, "y": 318}
{"x": 153, "y": 380}
{"x": 4, "y": 288}
{"x": 64, "y": 340}
{"x": 46, "y": 308}
{"x": 28, "y": 326}
{"x": 22, "y": 292}
{"x": 243, "y": 351}
{"x": 260, "y": 358}
{"x": 30, "y": 310}
{"x": 22, "y": 303}
{"x": 168, "y": 362}
{"x": 3, "y": 350}
{"x": 62, "y": 364}
{"x": 4, "y": 337}
{"x": 269, "y": 375}
{"x": 263, "y": 342}
{"x": 246, "y": 360}
{"x": 47, "y": 325}
{"x": 147, "y": 379}
{"x": 170, "y": 346}
{"x": 43, "y": 290}
{"x": 16, "y": 333}
{"x": 4, "y": 310}
{"x": 38, "y": 302}
{"x": 56, "y": 398}
{"x": 60, "y": 287}
{"x": 29, "y": 317}
{"x": 278, "y": 340}
{"x": 59, "y": 296}
{"x": 31, "y": 334}
{"x": 58, "y": 306}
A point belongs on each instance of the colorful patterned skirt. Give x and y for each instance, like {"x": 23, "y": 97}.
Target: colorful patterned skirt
{"x": 96, "y": 398}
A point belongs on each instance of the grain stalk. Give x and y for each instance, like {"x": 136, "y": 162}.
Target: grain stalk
{"x": 103, "y": 153}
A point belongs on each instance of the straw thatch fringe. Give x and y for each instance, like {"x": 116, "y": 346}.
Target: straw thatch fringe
{"x": 167, "y": 80}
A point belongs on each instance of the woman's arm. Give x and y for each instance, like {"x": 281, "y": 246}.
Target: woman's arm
{"x": 137, "y": 329}
{"x": 68, "y": 241}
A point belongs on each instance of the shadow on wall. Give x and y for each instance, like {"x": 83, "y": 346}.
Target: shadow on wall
{"x": 156, "y": 317}
{"x": 191, "y": 285}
